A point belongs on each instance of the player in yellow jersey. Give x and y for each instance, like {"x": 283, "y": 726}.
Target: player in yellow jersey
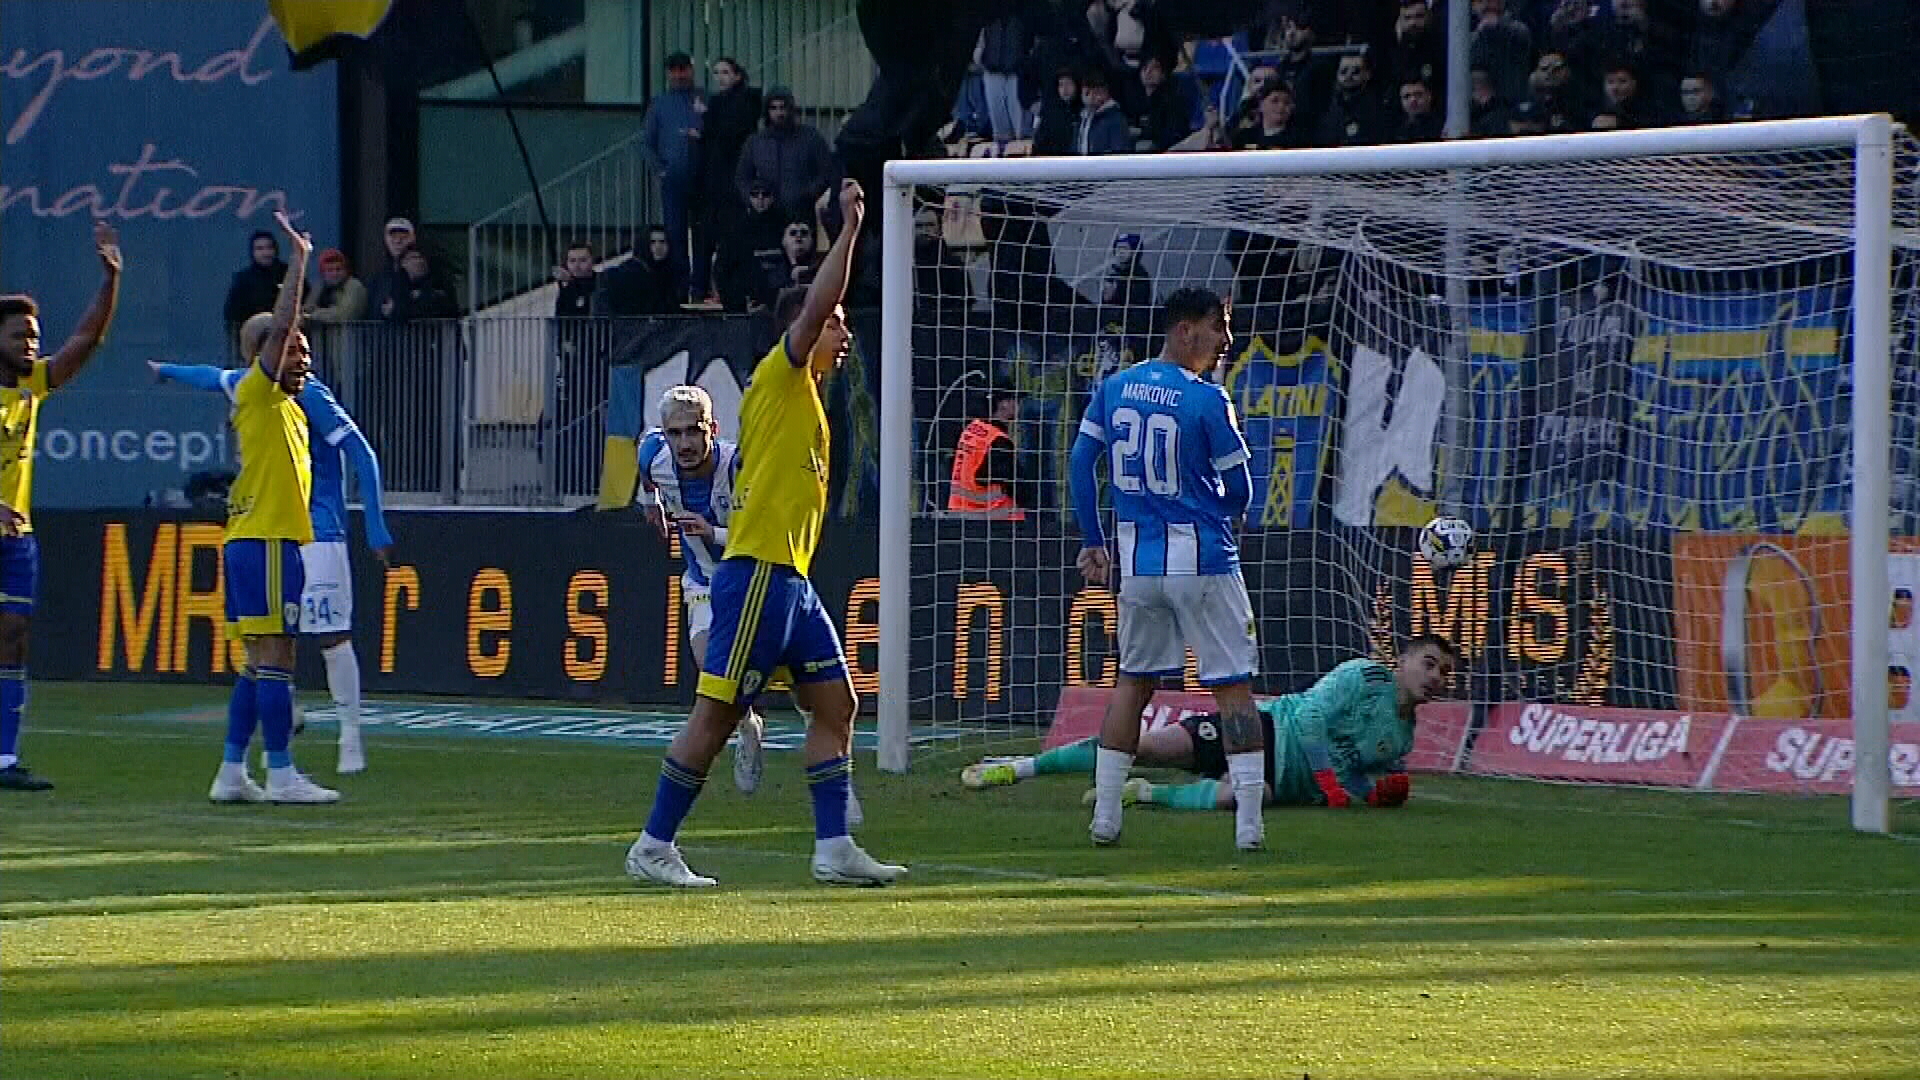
{"x": 765, "y": 612}
{"x": 25, "y": 379}
{"x": 267, "y": 522}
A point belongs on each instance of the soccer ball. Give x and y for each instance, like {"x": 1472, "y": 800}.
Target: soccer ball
{"x": 1446, "y": 542}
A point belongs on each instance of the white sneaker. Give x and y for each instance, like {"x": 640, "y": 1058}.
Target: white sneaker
{"x": 353, "y": 756}
{"x": 1105, "y": 828}
{"x": 234, "y": 785}
{"x": 288, "y": 786}
{"x": 856, "y": 817}
{"x": 841, "y": 862}
{"x": 650, "y": 860}
{"x": 750, "y": 753}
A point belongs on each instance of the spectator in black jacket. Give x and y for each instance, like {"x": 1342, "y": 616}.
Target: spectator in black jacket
{"x": 1418, "y": 122}
{"x": 577, "y": 282}
{"x": 255, "y": 288}
{"x": 1277, "y": 128}
{"x": 788, "y": 156}
{"x": 733, "y": 112}
{"x": 1168, "y": 116}
{"x": 418, "y": 296}
{"x": 1355, "y": 116}
{"x": 1502, "y": 45}
{"x": 750, "y": 245}
{"x": 1487, "y": 110}
{"x": 1059, "y": 126}
{"x": 651, "y": 282}
{"x": 1415, "y": 50}
{"x": 1700, "y": 100}
{"x": 1309, "y": 76}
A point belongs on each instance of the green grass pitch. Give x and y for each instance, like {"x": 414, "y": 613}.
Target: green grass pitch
{"x": 464, "y": 914}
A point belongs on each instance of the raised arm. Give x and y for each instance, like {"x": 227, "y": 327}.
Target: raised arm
{"x": 286, "y": 308}
{"x": 62, "y": 366}
{"x": 829, "y": 286}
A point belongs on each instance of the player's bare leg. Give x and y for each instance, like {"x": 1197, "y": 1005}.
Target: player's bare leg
{"x": 1244, "y": 739}
{"x": 830, "y": 706}
{"x": 1119, "y": 740}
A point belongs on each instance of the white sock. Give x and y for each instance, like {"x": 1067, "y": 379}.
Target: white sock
{"x": 283, "y": 775}
{"x": 1248, "y": 772}
{"x": 8, "y": 761}
{"x": 343, "y": 681}
{"x": 233, "y": 769}
{"x": 1110, "y": 768}
{"x": 1023, "y": 768}
{"x": 832, "y": 845}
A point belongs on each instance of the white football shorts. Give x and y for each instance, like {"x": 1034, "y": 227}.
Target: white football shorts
{"x": 1162, "y": 617}
{"x": 326, "y": 604}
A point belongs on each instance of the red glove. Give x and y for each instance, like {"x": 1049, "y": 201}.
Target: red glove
{"x": 1329, "y": 784}
{"x": 1391, "y": 790}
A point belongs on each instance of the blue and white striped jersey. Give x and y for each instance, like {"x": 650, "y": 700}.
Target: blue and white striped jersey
{"x": 710, "y": 497}
{"x": 1169, "y": 436}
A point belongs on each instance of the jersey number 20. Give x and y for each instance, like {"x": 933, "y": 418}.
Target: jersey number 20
{"x": 1146, "y": 456}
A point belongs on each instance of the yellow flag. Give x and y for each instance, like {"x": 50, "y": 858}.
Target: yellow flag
{"x": 316, "y": 30}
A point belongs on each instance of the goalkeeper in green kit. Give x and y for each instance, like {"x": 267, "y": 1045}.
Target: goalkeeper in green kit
{"x": 1338, "y": 743}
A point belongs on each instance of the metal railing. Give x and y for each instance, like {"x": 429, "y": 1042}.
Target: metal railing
{"x": 479, "y": 411}
{"x": 609, "y": 198}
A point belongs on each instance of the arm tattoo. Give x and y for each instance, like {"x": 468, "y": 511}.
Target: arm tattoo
{"x": 1240, "y": 729}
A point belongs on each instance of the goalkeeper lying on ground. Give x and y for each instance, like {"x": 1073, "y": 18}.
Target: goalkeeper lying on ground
{"x": 1338, "y": 743}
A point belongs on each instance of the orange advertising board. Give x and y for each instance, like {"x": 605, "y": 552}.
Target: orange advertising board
{"x": 1763, "y": 624}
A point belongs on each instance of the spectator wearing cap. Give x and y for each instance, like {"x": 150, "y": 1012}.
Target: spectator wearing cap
{"x": 788, "y": 156}
{"x": 341, "y": 298}
{"x": 391, "y": 279}
{"x": 751, "y": 243}
{"x": 1103, "y": 125}
{"x": 670, "y": 140}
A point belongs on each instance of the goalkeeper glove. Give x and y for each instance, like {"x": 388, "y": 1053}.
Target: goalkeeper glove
{"x": 1329, "y": 784}
{"x": 1390, "y": 790}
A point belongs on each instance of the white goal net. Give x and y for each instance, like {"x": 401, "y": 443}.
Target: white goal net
{"x": 1628, "y": 360}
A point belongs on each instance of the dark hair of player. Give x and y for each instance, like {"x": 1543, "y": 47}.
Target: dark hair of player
{"x": 18, "y": 304}
{"x": 1191, "y": 305}
{"x": 1434, "y": 641}
{"x": 786, "y": 306}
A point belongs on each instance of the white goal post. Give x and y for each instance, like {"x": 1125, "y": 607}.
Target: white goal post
{"x": 1762, "y": 194}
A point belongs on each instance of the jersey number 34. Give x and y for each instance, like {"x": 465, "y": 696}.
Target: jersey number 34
{"x": 1146, "y": 454}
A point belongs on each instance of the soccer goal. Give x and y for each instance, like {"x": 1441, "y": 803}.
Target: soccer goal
{"x": 1668, "y": 376}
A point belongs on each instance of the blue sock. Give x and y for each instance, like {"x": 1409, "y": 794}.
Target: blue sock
{"x": 828, "y": 782}
{"x": 242, "y": 718}
{"x": 679, "y": 786}
{"x": 13, "y": 702}
{"x": 273, "y": 698}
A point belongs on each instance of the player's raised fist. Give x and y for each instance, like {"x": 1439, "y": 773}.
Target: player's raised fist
{"x": 853, "y": 201}
{"x": 1094, "y": 563}
{"x": 106, "y": 244}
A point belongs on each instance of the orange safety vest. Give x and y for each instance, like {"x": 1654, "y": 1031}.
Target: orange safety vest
{"x": 967, "y": 493}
